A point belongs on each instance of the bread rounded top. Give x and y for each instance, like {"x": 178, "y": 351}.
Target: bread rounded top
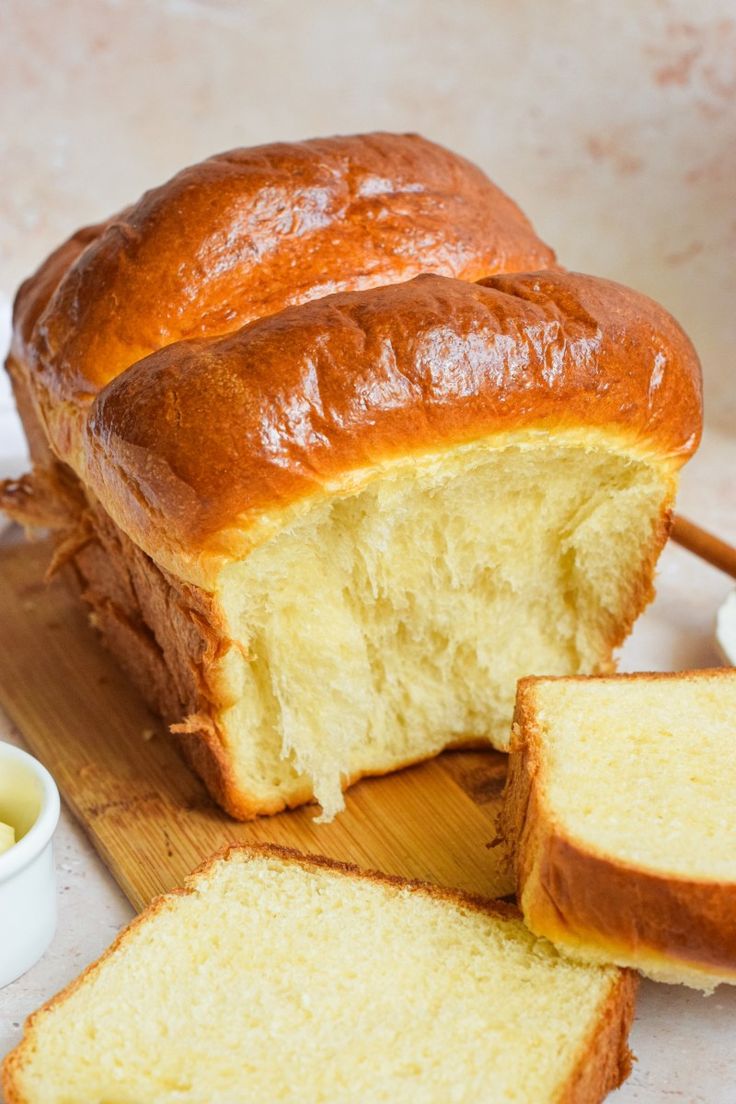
{"x": 192, "y": 449}
{"x": 248, "y": 232}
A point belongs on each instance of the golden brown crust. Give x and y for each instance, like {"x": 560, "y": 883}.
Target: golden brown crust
{"x": 192, "y": 446}
{"x": 49, "y": 506}
{"x": 235, "y": 237}
{"x": 168, "y": 637}
{"x": 35, "y": 293}
{"x": 582, "y": 899}
{"x": 606, "y": 1061}
{"x": 605, "y": 1057}
{"x": 250, "y": 231}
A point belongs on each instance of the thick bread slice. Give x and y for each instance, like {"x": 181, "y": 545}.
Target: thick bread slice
{"x": 275, "y": 977}
{"x": 620, "y": 805}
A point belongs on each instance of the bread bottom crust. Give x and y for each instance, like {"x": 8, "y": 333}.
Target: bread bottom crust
{"x": 598, "y": 909}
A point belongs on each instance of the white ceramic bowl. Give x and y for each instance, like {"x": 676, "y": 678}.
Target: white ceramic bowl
{"x": 29, "y": 800}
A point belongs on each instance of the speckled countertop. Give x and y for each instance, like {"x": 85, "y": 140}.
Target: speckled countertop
{"x": 613, "y": 126}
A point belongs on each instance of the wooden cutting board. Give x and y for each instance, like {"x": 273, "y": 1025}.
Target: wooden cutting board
{"x": 149, "y": 816}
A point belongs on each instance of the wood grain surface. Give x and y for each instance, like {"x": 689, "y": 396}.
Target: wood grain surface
{"x": 150, "y": 818}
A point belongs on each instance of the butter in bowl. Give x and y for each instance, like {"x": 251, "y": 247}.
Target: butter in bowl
{"x": 29, "y": 813}
{"x": 7, "y": 836}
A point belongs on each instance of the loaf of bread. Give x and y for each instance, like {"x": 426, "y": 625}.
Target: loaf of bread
{"x": 620, "y": 805}
{"x": 327, "y": 544}
{"x": 273, "y": 977}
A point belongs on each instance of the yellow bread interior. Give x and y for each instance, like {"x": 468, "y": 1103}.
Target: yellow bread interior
{"x": 643, "y": 770}
{"x": 272, "y": 981}
{"x": 384, "y": 625}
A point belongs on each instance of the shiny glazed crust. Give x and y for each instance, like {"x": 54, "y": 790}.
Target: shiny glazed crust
{"x": 235, "y": 237}
{"x": 589, "y": 903}
{"x": 198, "y": 451}
{"x": 603, "y": 1064}
{"x": 247, "y": 233}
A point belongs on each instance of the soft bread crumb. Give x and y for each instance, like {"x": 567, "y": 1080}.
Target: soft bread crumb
{"x": 381, "y": 627}
{"x": 652, "y": 767}
{"x": 275, "y": 981}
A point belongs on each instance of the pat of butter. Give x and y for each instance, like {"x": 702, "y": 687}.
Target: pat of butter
{"x": 7, "y": 836}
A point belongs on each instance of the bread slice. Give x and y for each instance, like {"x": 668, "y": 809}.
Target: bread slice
{"x": 275, "y": 977}
{"x": 620, "y": 804}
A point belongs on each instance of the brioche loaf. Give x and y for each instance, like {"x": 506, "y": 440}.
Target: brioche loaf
{"x": 327, "y": 544}
{"x": 276, "y": 977}
{"x": 620, "y": 805}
